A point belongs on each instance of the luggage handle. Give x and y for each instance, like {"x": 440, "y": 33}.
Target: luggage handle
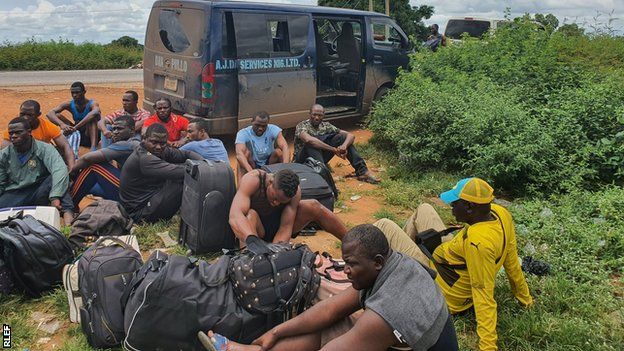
{"x": 98, "y": 243}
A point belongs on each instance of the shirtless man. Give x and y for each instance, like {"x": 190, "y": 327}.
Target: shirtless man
{"x": 269, "y": 206}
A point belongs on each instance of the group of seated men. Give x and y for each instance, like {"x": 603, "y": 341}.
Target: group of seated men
{"x": 390, "y": 273}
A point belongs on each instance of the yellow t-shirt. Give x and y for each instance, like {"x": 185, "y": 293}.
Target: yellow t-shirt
{"x": 481, "y": 249}
{"x": 46, "y": 131}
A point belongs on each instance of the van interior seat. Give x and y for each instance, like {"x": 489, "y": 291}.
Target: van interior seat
{"x": 330, "y": 69}
{"x": 347, "y": 47}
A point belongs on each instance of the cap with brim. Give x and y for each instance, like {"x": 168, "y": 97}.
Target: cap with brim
{"x": 474, "y": 190}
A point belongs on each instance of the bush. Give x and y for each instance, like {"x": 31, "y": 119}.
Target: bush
{"x": 65, "y": 55}
{"x": 527, "y": 109}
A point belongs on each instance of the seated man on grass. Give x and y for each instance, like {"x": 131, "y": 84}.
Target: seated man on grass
{"x": 32, "y": 173}
{"x": 255, "y": 145}
{"x": 43, "y": 130}
{"x": 468, "y": 262}
{"x": 201, "y": 143}
{"x": 176, "y": 125}
{"x": 269, "y": 206}
{"x": 402, "y": 306}
{"x": 322, "y": 141}
{"x": 130, "y": 107}
{"x": 152, "y": 179}
{"x": 83, "y": 130}
{"x": 95, "y": 167}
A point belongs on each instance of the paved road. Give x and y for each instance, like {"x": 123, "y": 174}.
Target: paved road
{"x": 25, "y": 78}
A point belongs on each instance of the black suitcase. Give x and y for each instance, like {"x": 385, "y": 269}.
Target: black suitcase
{"x": 313, "y": 186}
{"x": 208, "y": 192}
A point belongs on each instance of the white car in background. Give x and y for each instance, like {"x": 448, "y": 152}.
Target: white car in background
{"x": 475, "y": 27}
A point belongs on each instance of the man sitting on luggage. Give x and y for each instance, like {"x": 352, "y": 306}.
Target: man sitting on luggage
{"x": 467, "y": 263}
{"x": 255, "y": 145}
{"x": 130, "y": 107}
{"x": 202, "y": 143}
{"x": 269, "y": 206}
{"x": 43, "y": 130}
{"x": 322, "y": 141}
{"x": 152, "y": 178}
{"x": 33, "y": 173}
{"x": 95, "y": 167}
{"x": 402, "y": 306}
{"x": 176, "y": 125}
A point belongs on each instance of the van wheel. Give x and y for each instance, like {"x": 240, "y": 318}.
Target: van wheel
{"x": 381, "y": 92}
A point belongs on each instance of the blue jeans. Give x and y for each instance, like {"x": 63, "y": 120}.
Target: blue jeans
{"x": 34, "y": 195}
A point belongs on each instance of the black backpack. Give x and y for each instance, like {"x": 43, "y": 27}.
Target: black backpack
{"x": 100, "y": 218}
{"x": 171, "y": 298}
{"x": 103, "y": 273}
{"x": 34, "y": 252}
{"x": 274, "y": 277}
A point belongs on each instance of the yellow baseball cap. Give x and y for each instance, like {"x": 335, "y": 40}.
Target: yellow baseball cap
{"x": 474, "y": 190}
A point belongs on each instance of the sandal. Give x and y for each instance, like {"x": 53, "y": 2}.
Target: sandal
{"x": 217, "y": 342}
{"x": 368, "y": 178}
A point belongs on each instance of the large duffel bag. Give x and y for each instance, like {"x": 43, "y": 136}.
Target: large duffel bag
{"x": 274, "y": 277}
{"x": 104, "y": 270}
{"x": 208, "y": 192}
{"x": 35, "y": 253}
{"x": 313, "y": 186}
{"x": 171, "y": 298}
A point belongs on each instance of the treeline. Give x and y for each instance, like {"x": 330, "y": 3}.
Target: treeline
{"x": 35, "y": 55}
{"x": 531, "y": 108}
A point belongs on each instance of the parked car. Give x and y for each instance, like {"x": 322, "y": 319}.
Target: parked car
{"x": 225, "y": 60}
{"x": 474, "y": 27}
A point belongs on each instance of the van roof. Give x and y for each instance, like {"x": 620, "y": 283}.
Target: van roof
{"x": 272, "y": 6}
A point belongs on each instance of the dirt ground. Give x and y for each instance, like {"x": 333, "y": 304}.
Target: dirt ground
{"x": 109, "y": 98}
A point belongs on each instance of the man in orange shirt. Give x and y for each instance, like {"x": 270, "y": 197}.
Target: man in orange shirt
{"x": 43, "y": 130}
{"x": 176, "y": 125}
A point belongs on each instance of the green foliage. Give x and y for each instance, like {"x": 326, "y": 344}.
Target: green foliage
{"x": 33, "y": 55}
{"x": 127, "y": 42}
{"x": 408, "y": 17}
{"x": 527, "y": 109}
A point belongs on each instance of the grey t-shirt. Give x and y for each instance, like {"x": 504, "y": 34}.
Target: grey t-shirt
{"x": 120, "y": 151}
{"x": 406, "y": 297}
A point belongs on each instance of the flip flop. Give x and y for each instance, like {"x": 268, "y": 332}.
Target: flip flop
{"x": 217, "y": 342}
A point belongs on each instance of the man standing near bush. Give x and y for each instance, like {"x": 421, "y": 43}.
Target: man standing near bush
{"x": 322, "y": 141}
{"x": 468, "y": 262}
{"x": 43, "y": 130}
{"x": 83, "y": 131}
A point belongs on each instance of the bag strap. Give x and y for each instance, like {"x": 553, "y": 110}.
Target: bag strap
{"x": 153, "y": 265}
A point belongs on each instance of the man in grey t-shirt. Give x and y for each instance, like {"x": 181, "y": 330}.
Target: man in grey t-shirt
{"x": 402, "y": 305}
{"x": 96, "y": 172}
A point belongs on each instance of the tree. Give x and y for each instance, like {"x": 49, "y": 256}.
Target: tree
{"x": 407, "y": 16}
{"x": 126, "y": 41}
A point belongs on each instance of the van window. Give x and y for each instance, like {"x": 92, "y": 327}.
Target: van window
{"x": 260, "y": 35}
{"x": 455, "y": 28}
{"x": 385, "y": 35}
{"x": 179, "y": 31}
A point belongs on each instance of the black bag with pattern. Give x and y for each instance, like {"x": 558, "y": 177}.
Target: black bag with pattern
{"x": 274, "y": 277}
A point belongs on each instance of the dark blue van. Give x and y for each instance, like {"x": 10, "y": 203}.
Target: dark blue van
{"x": 225, "y": 60}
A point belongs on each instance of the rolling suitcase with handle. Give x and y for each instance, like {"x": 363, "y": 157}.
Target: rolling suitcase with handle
{"x": 208, "y": 192}
{"x": 312, "y": 184}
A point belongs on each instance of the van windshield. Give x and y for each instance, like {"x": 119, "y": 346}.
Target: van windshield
{"x": 455, "y": 28}
{"x": 179, "y": 30}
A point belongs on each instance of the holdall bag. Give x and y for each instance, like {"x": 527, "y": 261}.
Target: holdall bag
{"x": 6, "y": 279}
{"x": 274, "y": 277}
{"x": 208, "y": 192}
{"x": 104, "y": 270}
{"x": 70, "y": 279}
{"x": 171, "y": 298}
{"x": 100, "y": 218}
{"x": 313, "y": 185}
{"x": 321, "y": 168}
{"x": 35, "y": 253}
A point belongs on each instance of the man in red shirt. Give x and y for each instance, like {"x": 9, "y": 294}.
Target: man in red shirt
{"x": 176, "y": 125}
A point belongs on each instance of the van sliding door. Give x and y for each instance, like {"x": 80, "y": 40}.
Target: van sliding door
{"x": 275, "y": 66}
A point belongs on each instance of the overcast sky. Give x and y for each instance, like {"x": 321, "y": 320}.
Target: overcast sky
{"x": 103, "y": 21}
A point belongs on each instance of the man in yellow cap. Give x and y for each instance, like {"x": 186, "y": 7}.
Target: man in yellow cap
{"x": 467, "y": 263}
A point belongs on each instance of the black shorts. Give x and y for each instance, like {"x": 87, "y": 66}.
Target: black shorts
{"x": 271, "y": 223}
